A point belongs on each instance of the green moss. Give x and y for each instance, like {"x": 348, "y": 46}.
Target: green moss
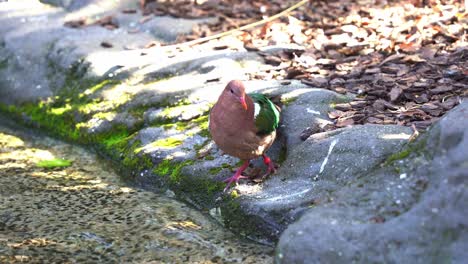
{"x": 66, "y": 114}
{"x": 287, "y": 101}
{"x": 125, "y": 149}
{"x": 202, "y": 121}
{"x": 54, "y": 163}
{"x": 197, "y": 147}
{"x": 58, "y": 123}
{"x": 205, "y": 133}
{"x": 136, "y": 163}
{"x": 238, "y": 219}
{"x": 199, "y": 124}
{"x": 215, "y": 170}
{"x": 212, "y": 187}
{"x": 200, "y": 189}
{"x": 417, "y": 147}
{"x": 171, "y": 169}
{"x": 98, "y": 86}
{"x": 182, "y": 102}
{"x": 165, "y": 119}
{"x": 138, "y": 111}
{"x": 166, "y": 126}
{"x": 175, "y": 174}
{"x": 60, "y": 110}
{"x": 105, "y": 115}
{"x": 61, "y": 114}
{"x": 182, "y": 126}
{"x": 209, "y": 157}
{"x": 89, "y": 107}
{"x": 166, "y": 113}
{"x": 3, "y": 63}
{"x": 113, "y": 139}
{"x": 163, "y": 168}
{"x": 283, "y": 154}
{"x": 226, "y": 166}
{"x": 399, "y": 156}
{"x": 167, "y": 142}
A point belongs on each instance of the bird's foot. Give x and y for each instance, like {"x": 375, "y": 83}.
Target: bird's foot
{"x": 237, "y": 176}
{"x": 270, "y": 164}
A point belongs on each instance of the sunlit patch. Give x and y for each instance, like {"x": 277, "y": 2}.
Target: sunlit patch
{"x": 395, "y": 136}
{"x": 37, "y": 242}
{"x": 100, "y": 186}
{"x": 187, "y": 224}
{"x": 178, "y": 154}
{"x": 294, "y": 94}
{"x": 43, "y": 154}
{"x": 126, "y": 190}
{"x": 165, "y": 143}
{"x": 311, "y": 111}
{"x": 60, "y": 110}
{"x": 287, "y": 196}
{"x": 10, "y": 141}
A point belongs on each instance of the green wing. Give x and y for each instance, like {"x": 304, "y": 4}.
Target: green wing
{"x": 266, "y": 115}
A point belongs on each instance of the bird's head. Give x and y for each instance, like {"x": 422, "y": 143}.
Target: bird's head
{"x": 235, "y": 89}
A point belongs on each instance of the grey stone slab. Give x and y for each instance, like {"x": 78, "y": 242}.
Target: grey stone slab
{"x": 416, "y": 214}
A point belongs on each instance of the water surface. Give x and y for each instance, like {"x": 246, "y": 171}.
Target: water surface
{"x": 84, "y": 214}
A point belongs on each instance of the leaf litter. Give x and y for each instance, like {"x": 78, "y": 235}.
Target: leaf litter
{"x": 404, "y": 62}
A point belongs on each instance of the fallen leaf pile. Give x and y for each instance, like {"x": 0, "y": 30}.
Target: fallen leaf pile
{"x": 227, "y": 10}
{"x": 405, "y": 61}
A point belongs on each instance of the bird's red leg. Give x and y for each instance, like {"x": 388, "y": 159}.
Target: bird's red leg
{"x": 238, "y": 175}
{"x": 270, "y": 164}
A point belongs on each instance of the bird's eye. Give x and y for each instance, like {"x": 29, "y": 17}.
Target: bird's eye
{"x": 232, "y": 91}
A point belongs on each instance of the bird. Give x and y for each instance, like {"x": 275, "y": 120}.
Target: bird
{"x": 244, "y": 126}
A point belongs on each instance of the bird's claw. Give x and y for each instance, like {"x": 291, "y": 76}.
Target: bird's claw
{"x": 232, "y": 179}
{"x": 237, "y": 176}
{"x": 272, "y": 168}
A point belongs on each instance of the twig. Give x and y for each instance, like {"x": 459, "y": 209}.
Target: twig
{"x": 248, "y": 26}
{"x": 415, "y": 133}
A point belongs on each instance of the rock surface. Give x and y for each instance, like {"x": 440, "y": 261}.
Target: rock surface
{"x": 326, "y": 168}
{"x": 37, "y": 50}
{"x": 413, "y": 209}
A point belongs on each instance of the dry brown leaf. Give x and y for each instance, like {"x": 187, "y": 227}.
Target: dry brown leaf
{"x": 345, "y": 122}
{"x": 393, "y": 57}
{"x": 335, "y": 114}
{"x": 395, "y": 93}
{"x": 76, "y": 23}
{"x": 413, "y": 58}
{"x": 105, "y": 44}
{"x": 441, "y": 89}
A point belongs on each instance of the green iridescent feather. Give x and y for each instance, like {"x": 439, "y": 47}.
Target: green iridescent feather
{"x": 268, "y": 117}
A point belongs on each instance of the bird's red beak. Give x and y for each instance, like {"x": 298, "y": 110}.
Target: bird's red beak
{"x": 242, "y": 101}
